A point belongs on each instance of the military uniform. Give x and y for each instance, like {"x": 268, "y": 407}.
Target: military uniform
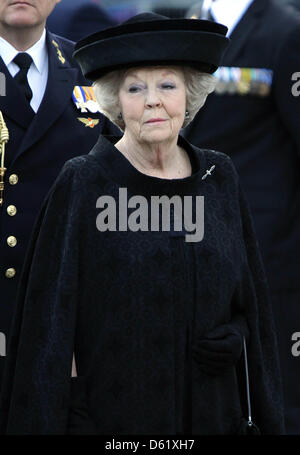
{"x": 38, "y": 146}
{"x": 254, "y": 118}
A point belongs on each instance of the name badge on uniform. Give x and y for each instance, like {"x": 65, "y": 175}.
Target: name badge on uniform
{"x": 243, "y": 81}
{"x": 84, "y": 99}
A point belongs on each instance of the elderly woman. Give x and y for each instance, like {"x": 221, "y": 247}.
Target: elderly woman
{"x": 143, "y": 266}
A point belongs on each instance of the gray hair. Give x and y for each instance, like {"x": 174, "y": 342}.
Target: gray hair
{"x": 198, "y": 86}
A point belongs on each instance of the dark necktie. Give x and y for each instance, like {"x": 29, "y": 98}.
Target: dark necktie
{"x": 23, "y": 61}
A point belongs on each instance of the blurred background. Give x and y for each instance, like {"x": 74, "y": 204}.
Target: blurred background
{"x": 75, "y": 19}
{"x": 121, "y": 9}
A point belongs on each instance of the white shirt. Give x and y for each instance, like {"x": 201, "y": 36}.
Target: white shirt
{"x": 229, "y": 12}
{"x": 37, "y": 75}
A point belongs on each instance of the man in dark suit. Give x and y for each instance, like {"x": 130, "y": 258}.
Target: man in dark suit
{"x": 254, "y": 117}
{"x": 51, "y": 116}
{"x": 75, "y": 19}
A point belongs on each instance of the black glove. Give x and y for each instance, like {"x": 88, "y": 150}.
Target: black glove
{"x": 220, "y": 348}
{"x": 79, "y": 420}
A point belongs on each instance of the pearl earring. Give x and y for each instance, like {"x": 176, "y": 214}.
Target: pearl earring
{"x": 120, "y": 116}
{"x": 187, "y": 114}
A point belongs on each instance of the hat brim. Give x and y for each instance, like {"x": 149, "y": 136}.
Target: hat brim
{"x": 199, "y": 44}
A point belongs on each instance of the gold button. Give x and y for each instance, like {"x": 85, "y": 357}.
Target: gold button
{"x": 11, "y": 210}
{"x": 13, "y": 179}
{"x": 11, "y": 241}
{"x": 10, "y": 273}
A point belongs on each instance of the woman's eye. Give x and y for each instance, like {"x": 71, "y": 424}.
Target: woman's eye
{"x": 134, "y": 89}
{"x": 168, "y": 86}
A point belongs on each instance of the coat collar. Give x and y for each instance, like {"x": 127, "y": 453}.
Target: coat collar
{"x": 60, "y": 85}
{"x": 12, "y": 104}
{"x": 38, "y": 52}
{"x": 123, "y": 172}
{"x": 23, "y": 115}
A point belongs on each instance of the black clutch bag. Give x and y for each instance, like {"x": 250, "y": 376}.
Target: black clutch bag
{"x": 247, "y": 426}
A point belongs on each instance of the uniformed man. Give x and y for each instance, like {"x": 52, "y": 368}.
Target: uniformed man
{"x": 51, "y": 116}
{"x": 254, "y": 118}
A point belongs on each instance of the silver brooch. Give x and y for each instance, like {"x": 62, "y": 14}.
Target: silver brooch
{"x": 208, "y": 172}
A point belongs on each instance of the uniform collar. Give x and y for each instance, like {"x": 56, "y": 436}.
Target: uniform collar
{"x": 229, "y": 12}
{"x": 38, "y": 52}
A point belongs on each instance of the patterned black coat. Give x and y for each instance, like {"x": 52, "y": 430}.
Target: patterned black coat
{"x": 130, "y": 305}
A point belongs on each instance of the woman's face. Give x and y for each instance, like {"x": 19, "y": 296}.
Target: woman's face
{"x": 152, "y": 102}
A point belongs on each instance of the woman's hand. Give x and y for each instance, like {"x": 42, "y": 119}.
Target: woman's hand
{"x": 221, "y": 348}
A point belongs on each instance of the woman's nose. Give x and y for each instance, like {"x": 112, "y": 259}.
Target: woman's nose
{"x": 152, "y": 99}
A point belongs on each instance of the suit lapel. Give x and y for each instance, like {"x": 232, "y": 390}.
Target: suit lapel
{"x": 241, "y": 33}
{"x": 14, "y": 104}
{"x": 60, "y": 85}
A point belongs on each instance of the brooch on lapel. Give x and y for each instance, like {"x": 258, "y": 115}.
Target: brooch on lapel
{"x": 89, "y": 122}
{"x": 60, "y": 57}
{"x": 208, "y": 172}
{"x": 84, "y": 99}
{"x": 243, "y": 81}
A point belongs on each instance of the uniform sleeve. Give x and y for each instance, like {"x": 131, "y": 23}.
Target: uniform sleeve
{"x": 287, "y": 95}
{"x": 36, "y": 384}
{"x": 263, "y": 360}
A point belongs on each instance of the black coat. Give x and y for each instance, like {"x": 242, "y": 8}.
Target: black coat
{"x": 131, "y": 305}
{"x": 38, "y": 146}
{"x": 262, "y": 136}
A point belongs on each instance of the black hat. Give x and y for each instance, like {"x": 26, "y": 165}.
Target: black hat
{"x": 152, "y": 39}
